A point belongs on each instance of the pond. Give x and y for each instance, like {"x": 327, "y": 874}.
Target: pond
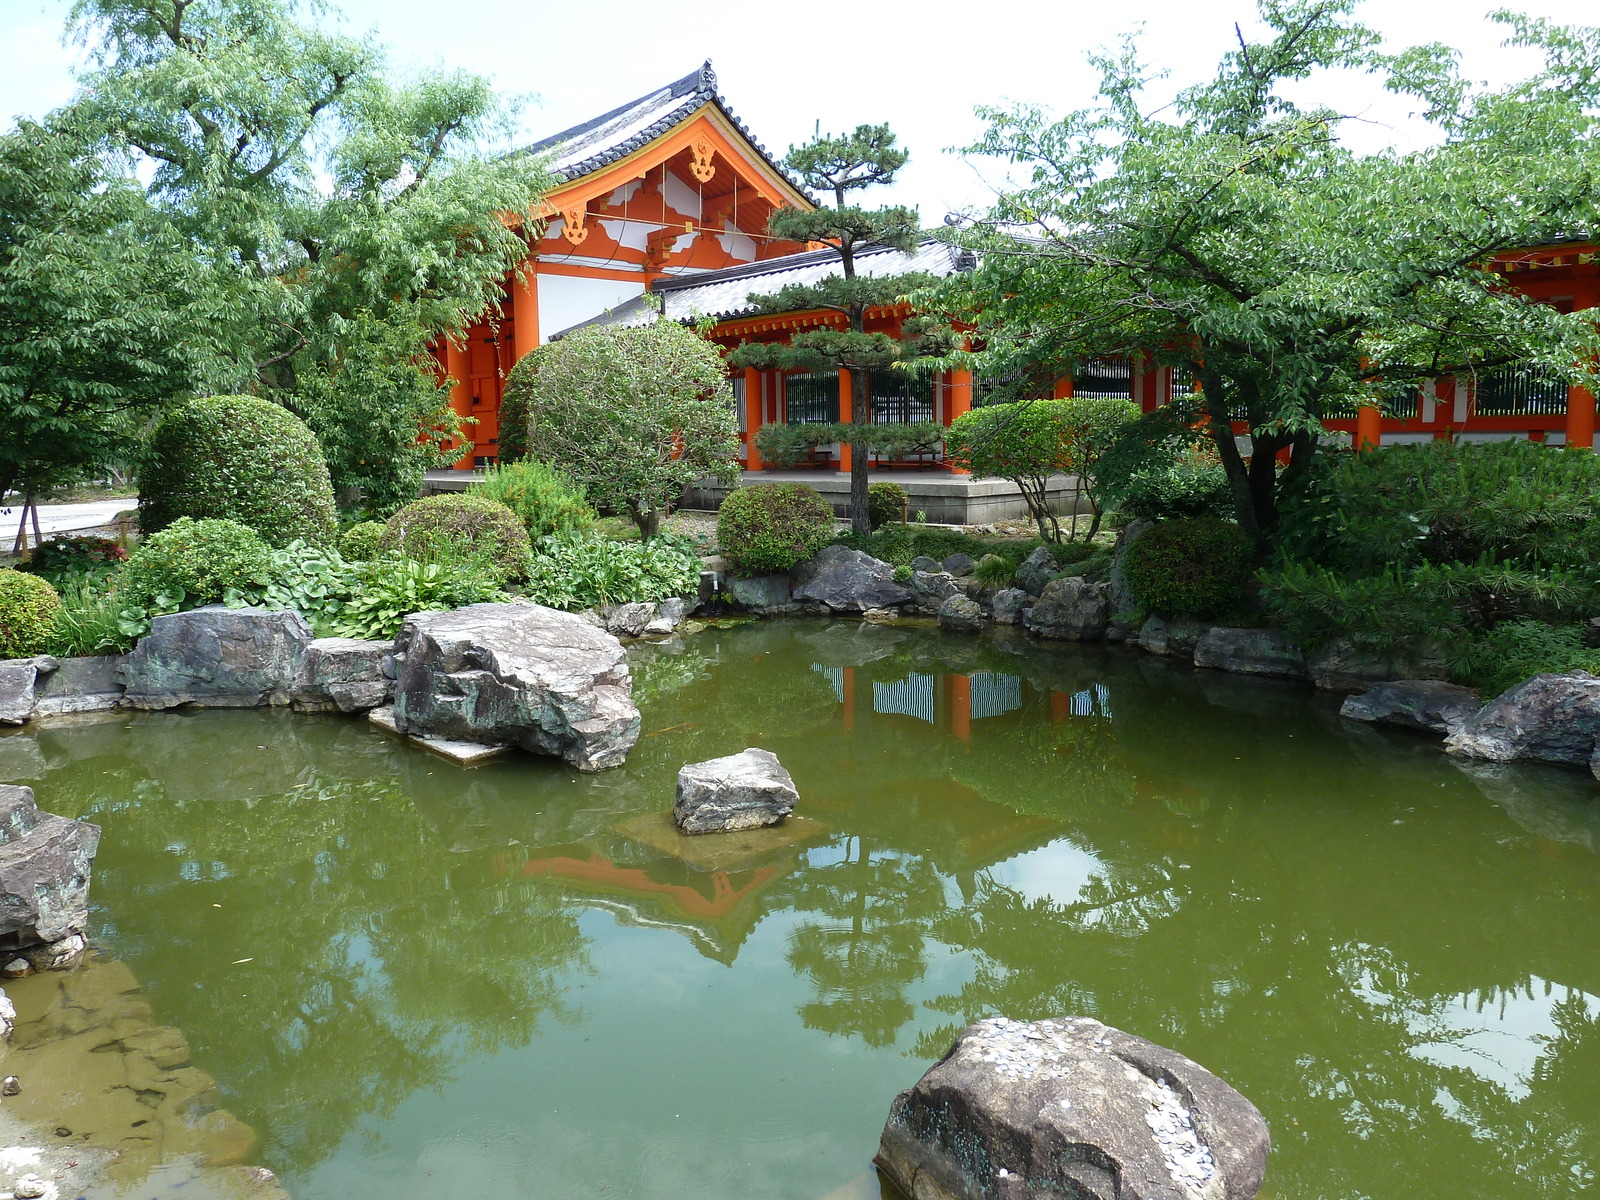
{"x": 412, "y": 980}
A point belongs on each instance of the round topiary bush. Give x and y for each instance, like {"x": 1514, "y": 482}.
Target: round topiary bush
{"x": 190, "y": 563}
{"x": 771, "y": 527}
{"x": 460, "y": 530}
{"x": 511, "y": 438}
{"x": 28, "y": 608}
{"x": 360, "y": 542}
{"x": 1193, "y": 567}
{"x": 886, "y": 503}
{"x": 238, "y": 458}
{"x": 547, "y": 500}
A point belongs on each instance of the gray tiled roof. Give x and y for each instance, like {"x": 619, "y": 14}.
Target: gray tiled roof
{"x": 725, "y": 294}
{"x": 598, "y": 143}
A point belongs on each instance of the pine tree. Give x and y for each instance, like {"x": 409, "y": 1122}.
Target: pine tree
{"x": 842, "y": 166}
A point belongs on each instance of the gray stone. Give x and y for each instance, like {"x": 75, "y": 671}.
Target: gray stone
{"x": 1176, "y": 637}
{"x": 517, "y": 674}
{"x": 629, "y": 620}
{"x": 1009, "y": 604}
{"x": 1123, "y": 601}
{"x": 463, "y": 754}
{"x": 19, "y": 686}
{"x": 1070, "y": 1108}
{"x": 216, "y": 657}
{"x": 1549, "y": 718}
{"x": 959, "y": 564}
{"x": 1424, "y": 704}
{"x": 343, "y": 675}
{"x": 669, "y": 615}
{"x": 930, "y": 589}
{"x": 1250, "y": 652}
{"x": 79, "y": 685}
{"x": 29, "y": 1187}
{"x": 1035, "y": 571}
{"x": 44, "y": 877}
{"x": 742, "y": 791}
{"x": 846, "y": 580}
{"x": 924, "y": 563}
{"x": 1071, "y": 608}
{"x": 8, "y": 1017}
{"x": 761, "y": 593}
{"x": 961, "y": 614}
{"x": 1341, "y": 667}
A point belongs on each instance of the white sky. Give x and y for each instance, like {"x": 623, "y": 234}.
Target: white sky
{"x": 782, "y": 67}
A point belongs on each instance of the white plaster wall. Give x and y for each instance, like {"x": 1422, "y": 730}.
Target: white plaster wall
{"x": 564, "y": 300}
{"x": 680, "y": 196}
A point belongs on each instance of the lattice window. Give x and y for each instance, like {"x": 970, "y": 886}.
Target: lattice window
{"x": 897, "y": 396}
{"x": 812, "y": 398}
{"x": 1520, "y": 391}
{"x": 1104, "y": 378}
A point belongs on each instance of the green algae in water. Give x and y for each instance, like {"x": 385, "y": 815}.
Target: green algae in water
{"x": 502, "y": 983}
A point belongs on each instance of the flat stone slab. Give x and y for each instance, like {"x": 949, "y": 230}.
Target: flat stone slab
{"x": 730, "y": 852}
{"x": 463, "y": 754}
{"x": 740, "y": 791}
{"x": 1423, "y": 704}
{"x": 1023, "y": 1110}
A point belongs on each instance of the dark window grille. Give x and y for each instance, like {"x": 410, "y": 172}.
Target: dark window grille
{"x": 1405, "y": 408}
{"x": 812, "y": 397}
{"x": 1519, "y": 392}
{"x": 1182, "y": 383}
{"x": 1104, "y": 379}
{"x": 1036, "y": 384}
{"x": 736, "y": 393}
{"x": 897, "y": 396}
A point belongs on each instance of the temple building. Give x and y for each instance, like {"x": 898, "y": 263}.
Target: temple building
{"x": 670, "y": 194}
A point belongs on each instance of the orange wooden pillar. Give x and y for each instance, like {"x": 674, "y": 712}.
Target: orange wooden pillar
{"x": 524, "y": 315}
{"x": 1369, "y": 428}
{"x": 960, "y": 693}
{"x": 456, "y": 366}
{"x": 1580, "y": 417}
{"x": 845, "y": 415}
{"x": 752, "y": 418}
{"x": 1060, "y": 707}
{"x": 958, "y": 402}
{"x": 1063, "y": 388}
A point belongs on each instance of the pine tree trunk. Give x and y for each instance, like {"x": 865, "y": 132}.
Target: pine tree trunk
{"x": 860, "y": 518}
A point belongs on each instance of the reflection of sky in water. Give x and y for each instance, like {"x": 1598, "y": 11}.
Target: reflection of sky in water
{"x": 1058, "y": 872}
{"x": 1500, "y": 1038}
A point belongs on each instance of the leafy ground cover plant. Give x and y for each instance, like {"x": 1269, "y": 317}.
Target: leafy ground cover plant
{"x": 1515, "y": 650}
{"x": 458, "y": 530}
{"x": 188, "y": 564}
{"x": 63, "y": 559}
{"x": 390, "y": 587}
{"x": 89, "y": 622}
{"x": 28, "y": 610}
{"x": 572, "y": 572}
{"x": 772, "y": 527}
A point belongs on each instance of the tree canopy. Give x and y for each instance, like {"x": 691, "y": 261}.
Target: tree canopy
{"x": 1234, "y": 233}
{"x": 342, "y": 217}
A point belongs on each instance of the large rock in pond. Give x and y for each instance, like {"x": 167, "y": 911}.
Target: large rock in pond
{"x": 1071, "y": 608}
{"x": 1176, "y": 636}
{"x": 961, "y": 614}
{"x": 1424, "y": 704}
{"x": 930, "y": 589}
{"x": 742, "y": 791}
{"x": 1037, "y": 570}
{"x": 77, "y": 685}
{"x": 343, "y": 675}
{"x": 1250, "y": 652}
{"x": 846, "y": 580}
{"x": 1070, "y": 1107}
{"x": 19, "y": 680}
{"x": 1549, "y": 718}
{"x": 216, "y": 657}
{"x": 1009, "y": 604}
{"x": 516, "y": 674}
{"x": 44, "y": 882}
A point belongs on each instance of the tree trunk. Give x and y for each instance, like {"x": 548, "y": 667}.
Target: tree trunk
{"x": 647, "y": 519}
{"x": 860, "y": 519}
{"x": 1220, "y": 427}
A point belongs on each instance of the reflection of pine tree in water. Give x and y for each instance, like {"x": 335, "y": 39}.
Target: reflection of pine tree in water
{"x": 870, "y": 946}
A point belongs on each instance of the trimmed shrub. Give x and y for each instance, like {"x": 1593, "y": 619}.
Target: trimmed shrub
{"x": 512, "y": 438}
{"x": 460, "y": 530}
{"x": 1194, "y": 567}
{"x": 28, "y": 610}
{"x": 545, "y": 499}
{"x": 238, "y": 458}
{"x": 190, "y": 563}
{"x": 771, "y": 527}
{"x": 360, "y": 542}
{"x": 886, "y": 503}
{"x": 573, "y": 572}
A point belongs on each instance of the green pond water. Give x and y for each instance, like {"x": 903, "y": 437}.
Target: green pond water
{"x": 514, "y": 982}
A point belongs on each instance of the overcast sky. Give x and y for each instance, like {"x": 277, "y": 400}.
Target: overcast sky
{"x": 784, "y": 67}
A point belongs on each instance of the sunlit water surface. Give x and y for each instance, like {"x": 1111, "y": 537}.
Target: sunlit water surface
{"x": 509, "y": 982}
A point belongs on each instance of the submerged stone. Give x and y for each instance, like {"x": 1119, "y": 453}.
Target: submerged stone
{"x": 741, "y": 791}
{"x": 1070, "y": 1107}
{"x": 44, "y": 881}
{"x": 516, "y": 674}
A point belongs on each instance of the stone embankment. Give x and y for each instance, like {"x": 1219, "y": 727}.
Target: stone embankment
{"x": 1071, "y": 1107}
